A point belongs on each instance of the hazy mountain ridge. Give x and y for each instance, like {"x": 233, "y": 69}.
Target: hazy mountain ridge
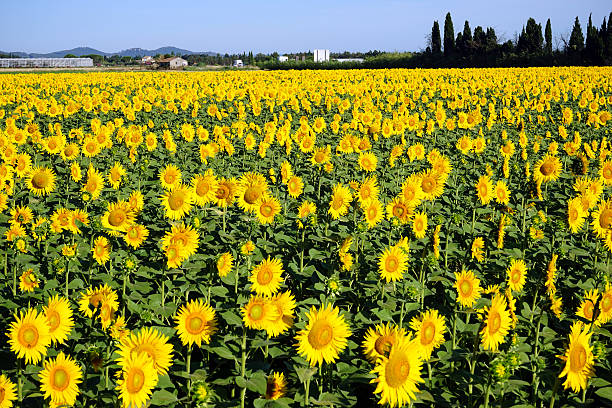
{"x": 130, "y": 52}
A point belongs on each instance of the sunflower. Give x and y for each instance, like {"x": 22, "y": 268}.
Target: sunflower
{"x": 195, "y": 323}
{"x": 497, "y": 323}
{"x": 468, "y": 288}
{"x": 502, "y": 194}
{"x": 605, "y": 305}
{"x": 59, "y": 318}
{"x": 225, "y": 264}
{"x": 266, "y": 277}
{"x": 28, "y": 281}
{"x": 184, "y": 237}
{"x": 41, "y": 181}
{"x": 429, "y": 329}
{"x": 324, "y": 337}
{"x": 267, "y": 207}
{"x": 170, "y": 176}
{"x": 419, "y": 224}
{"x": 579, "y": 359}
{"x": 484, "y": 189}
{"x": 477, "y": 247}
{"x": 392, "y": 264}
{"x": 412, "y": 193}
{"x": 295, "y": 186}
{"x": 115, "y": 174}
{"x": 547, "y": 169}
{"x": 399, "y": 374}
{"x": 276, "y": 386}
{"x": 103, "y": 297}
{"x": 259, "y": 313}
{"x": 517, "y": 272}
{"x": 59, "y": 380}
{"x": 136, "y": 380}
{"x": 136, "y": 201}
{"x": 284, "y": 303}
{"x": 150, "y": 342}
{"x": 118, "y": 329}
{"x": 135, "y": 235}
{"x": 29, "y": 336}
{"x": 7, "y": 392}
{"x": 586, "y": 309}
{"x": 117, "y": 217}
{"x": 432, "y": 184}
{"x": 575, "y": 214}
{"x": 341, "y": 198}
{"x": 94, "y": 183}
{"x": 399, "y": 209}
{"x": 379, "y": 341}
{"x": 101, "y": 250}
{"x": 367, "y": 161}
{"x": 464, "y": 144}
{"x": 204, "y": 187}
{"x": 177, "y": 201}
{"x": 226, "y": 192}
{"x": 251, "y": 188}
{"x": 21, "y": 214}
{"x": 373, "y": 212}
{"x": 602, "y": 219}
{"x": 605, "y": 172}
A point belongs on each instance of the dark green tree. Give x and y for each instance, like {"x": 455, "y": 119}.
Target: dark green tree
{"x": 465, "y": 45}
{"x": 449, "y": 35}
{"x": 548, "y": 38}
{"x": 534, "y": 38}
{"x": 480, "y": 39}
{"x": 608, "y": 38}
{"x": 436, "y": 41}
{"x": 576, "y": 41}
{"x": 491, "y": 42}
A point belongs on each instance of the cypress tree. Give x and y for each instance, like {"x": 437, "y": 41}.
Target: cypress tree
{"x": 449, "y": 35}
{"x": 548, "y": 38}
{"x": 436, "y": 42}
{"x": 576, "y": 41}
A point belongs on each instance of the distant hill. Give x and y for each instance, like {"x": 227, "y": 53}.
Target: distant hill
{"x": 130, "y": 52}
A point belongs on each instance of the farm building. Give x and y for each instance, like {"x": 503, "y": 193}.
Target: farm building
{"x": 45, "y": 62}
{"x": 283, "y": 58}
{"x": 321, "y": 55}
{"x": 238, "y": 63}
{"x": 172, "y": 63}
{"x": 148, "y": 60}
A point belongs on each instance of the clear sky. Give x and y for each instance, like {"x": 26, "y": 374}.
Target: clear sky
{"x": 235, "y": 26}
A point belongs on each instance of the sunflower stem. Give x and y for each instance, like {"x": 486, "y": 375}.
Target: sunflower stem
{"x": 243, "y": 366}
{"x": 14, "y": 273}
{"x": 320, "y": 379}
{"x": 67, "y": 272}
{"x": 306, "y": 392}
{"x": 188, "y": 369}
{"x": 20, "y": 381}
{"x": 554, "y": 392}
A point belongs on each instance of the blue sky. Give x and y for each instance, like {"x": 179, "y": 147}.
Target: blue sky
{"x": 267, "y": 26}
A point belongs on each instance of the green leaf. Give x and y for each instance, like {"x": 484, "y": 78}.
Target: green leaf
{"x": 305, "y": 373}
{"x": 605, "y": 393}
{"x": 231, "y": 318}
{"x": 257, "y": 383}
{"x": 163, "y": 398}
{"x": 223, "y": 352}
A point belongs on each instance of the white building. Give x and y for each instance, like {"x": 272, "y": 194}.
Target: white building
{"x": 321, "y": 55}
{"x": 173, "y": 63}
{"x": 283, "y": 58}
{"x": 147, "y": 60}
{"x": 238, "y": 63}
{"x": 45, "y": 62}
{"x": 360, "y": 60}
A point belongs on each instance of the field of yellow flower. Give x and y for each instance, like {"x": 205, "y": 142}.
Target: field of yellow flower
{"x": 287, "y": 239}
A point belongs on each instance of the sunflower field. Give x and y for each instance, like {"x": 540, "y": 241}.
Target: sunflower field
{"x": 314, "y": 238}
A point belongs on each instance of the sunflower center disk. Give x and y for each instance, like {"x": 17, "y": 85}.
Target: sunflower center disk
{"x": 175, "y": 201}
{"x": 256, "y": 312}
{"x": 266, "y": 210}
{"x": 466, "y": 288}
{"x": 202, "y": 188}
{"x": 116, "y": 218}
{"x": 577, "y": 358}
{"x": 264, "y": 277}
{"x": 428, "y": 331}
{"x": 29, "y": 336}
{"x": 135, "y": 380}
{"x": 397, "y": 371}
{"x": 605, "y": 219}
{"x": 547, "y": 168}
{"x": 39, "y": 180}
{"x": 320, "y": 335}
{"x": 61, "y": 379}
{"x": 53, "y": 320}
{"x": 195, "y": 325}
{"x": 251, "y": 195}
{"x": 391, "y": 264}
{"x": 383, "y": 345}
{"x": 494, "y": 322}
